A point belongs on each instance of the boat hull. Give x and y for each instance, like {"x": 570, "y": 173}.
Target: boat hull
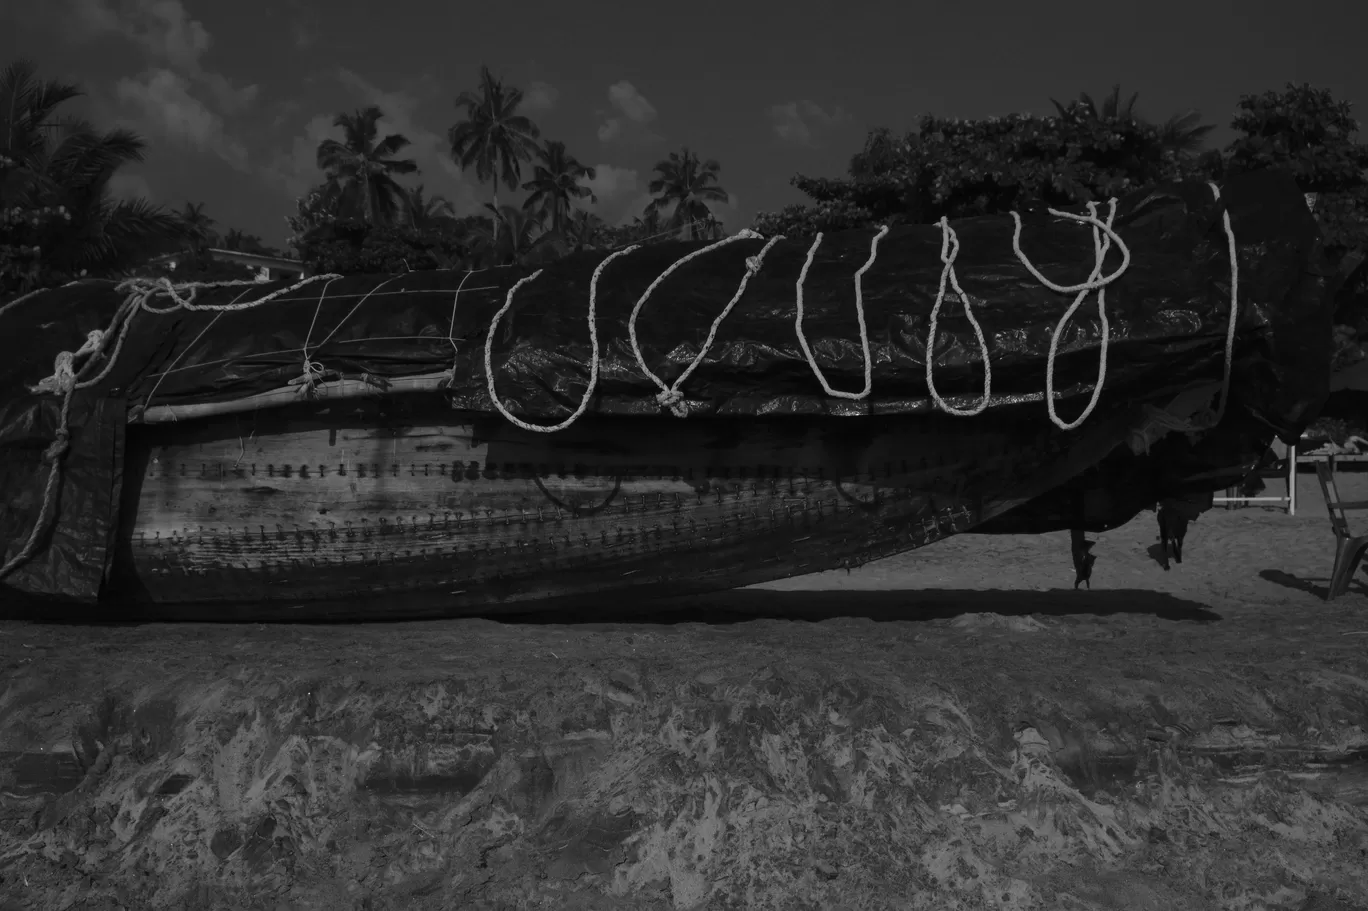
{"x": 421, "y": 509}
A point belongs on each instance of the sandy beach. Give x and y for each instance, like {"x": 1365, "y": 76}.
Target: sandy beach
{"x": 953, "y": 728}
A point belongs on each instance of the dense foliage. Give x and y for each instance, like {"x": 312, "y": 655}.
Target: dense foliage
{"x": 959, "y": 168}
{"x": 58, "y": 220}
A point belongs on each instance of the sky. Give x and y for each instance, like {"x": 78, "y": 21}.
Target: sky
{"x": 234, "y": 96}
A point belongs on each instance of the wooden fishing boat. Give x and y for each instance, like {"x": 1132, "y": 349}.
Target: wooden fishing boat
{"x": 206, "y": 467}
{"x": 324, "y": 503}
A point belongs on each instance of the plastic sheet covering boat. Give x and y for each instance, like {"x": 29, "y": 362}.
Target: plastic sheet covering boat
{"x": 741, "y": 411}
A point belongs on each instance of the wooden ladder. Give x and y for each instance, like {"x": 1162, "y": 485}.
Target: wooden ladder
{"x": 1349, "y": 547}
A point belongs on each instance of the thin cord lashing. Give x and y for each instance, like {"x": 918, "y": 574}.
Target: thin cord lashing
{"x": 670, "y": 396}
{"x": 950, "y": 250}
{"x": 451, "y": 326}
{"x": 859, "y": 314}
{"x": 593, "y": 346}
{"x": 66, "y": 375}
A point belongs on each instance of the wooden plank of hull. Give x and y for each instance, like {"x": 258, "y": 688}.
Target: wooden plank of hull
{"x": 465, "y": 516}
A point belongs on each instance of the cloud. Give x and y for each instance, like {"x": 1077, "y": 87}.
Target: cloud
{"x": 165, "y": 30}
{"x": 633, "y": 105}
{"x": 610, "y": 181}
{"x": 610, "y": 130}
{"x": 164, "y": 102}
{"x": 797, "y": 121}
{"x": 613, "y": 188}
{"x": 632, "y": 112}
{"x": 540, "y": 96}
{"x": 297, "y": 169}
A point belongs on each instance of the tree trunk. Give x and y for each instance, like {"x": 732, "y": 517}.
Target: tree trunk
{"x": 494, "y": 217}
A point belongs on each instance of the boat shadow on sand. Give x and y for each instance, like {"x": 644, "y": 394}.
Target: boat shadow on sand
{"x": 727, "y": 607}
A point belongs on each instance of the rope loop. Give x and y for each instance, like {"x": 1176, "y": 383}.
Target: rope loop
{"x": 593, "y": 345}
{"x": 670, "y": 396}
{"x": 950, "y": 250}
{"x": 859, "y": 315}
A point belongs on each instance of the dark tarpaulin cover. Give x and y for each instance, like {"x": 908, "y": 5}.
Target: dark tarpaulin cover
{"x": 1167, "y": 314}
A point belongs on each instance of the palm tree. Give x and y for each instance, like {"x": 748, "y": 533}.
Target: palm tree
{"x": 647, "y": 226}
{"x": 246, "y": 243}
{"x": 1181, "y": 133}
{"x": 494, "y": 138}
{"x": 362, "y": 167}
{"x": 586, "y": 230}
{"x": 48, "y": 162}
{"x": 199, "y": 228}
{"x": 424, "y": 211}
{"x": 520, "y": 237}
{"x": 689, "y": 184}
{"x": 556, "y": 185}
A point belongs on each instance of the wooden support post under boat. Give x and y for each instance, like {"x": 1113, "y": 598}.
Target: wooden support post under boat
{"x": 1083, "y": 560}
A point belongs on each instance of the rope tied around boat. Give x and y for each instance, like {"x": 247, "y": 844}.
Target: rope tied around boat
{"x": 1158, "y": 421}
{"x": 64, "y": 382}
{"x": 670, "y": 396}
{"x": 949, "y": 251}
{"x": 593, "y": 344}
{"x": 1095, "y": 282}
{"x": 66, "y": 375}
{"x": 63, "y": 377}
{"x": 859, "y": 316}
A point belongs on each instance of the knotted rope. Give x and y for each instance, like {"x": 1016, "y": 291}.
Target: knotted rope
{"x": 1096, "y": 282}
{"x": 68, "y": 366}
{"x": 66, "y": 376}
{"x": 670, "y": 396}
{"x": 950, "y": 250}
{"x": 63, "y": 382}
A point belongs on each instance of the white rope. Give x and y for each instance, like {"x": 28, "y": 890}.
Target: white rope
{"x": 53, "y": 456}
{"x": 950, "y": 250}
{"x": 1234, "y": 306}
{"x": 65, "y": 379}
{"x": 451, "y": 327}
{"x": 34, "y": 293}
{"x": 1096, "y": 282}
{"x": 859, "y": 314}
{"x": 62, "y": 382}
{"x": 670, "y": 396}
{"x": 455, "y": 298}
{"x": 313, "y": 372}
{"x": 593, "y": 344}
{"x": 161, "y": 377}
{"x": 1158, "y": 421}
